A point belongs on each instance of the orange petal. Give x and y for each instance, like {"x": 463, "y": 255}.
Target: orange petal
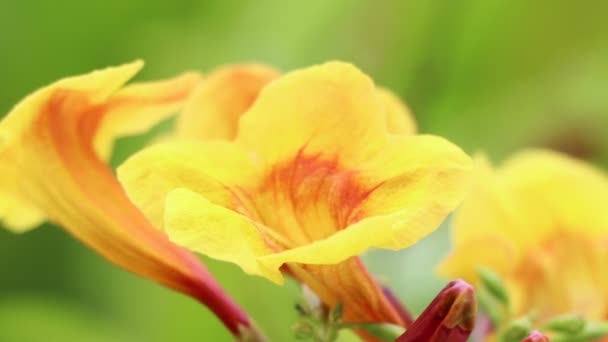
{"x": 350, "y": 283}
{"x": 48, "y": 140}
{"x": 217, "y": 104}
{"x": 138, "y": 107}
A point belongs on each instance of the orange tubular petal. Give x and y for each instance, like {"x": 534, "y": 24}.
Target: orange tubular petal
{"x": 48, "y": 140}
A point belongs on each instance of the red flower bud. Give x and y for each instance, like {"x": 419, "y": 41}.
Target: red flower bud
{"x": 449, "y": 318}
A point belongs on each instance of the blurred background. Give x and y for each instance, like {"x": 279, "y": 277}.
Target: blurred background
{"x": 490, "y": 75}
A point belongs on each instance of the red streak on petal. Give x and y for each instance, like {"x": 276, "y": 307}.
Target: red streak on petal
{"x": 316, "y": 192}
{"x": 311, "y": 197}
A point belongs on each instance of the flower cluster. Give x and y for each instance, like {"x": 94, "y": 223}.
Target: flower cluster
{"x": 296, "y": 175}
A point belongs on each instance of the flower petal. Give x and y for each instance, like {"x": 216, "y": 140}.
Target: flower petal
{"x": 490, "y": 210}
{"x": 349, "y": 283}
{"x": 557, "y": 192}
{"x": 18, "y": 215}
{"x": 18, "y": 210}
{"x": 540, "y": 189}
{"x": 331, "y": 109}
{"x": 424, "y": 177}
{"x": 467, "y": 257}
{"x": 47, "y": 141}
{"x": 217, "y": 104}
{"x": 399, "y": 118}
{"x": 138, "y": 107}
{"x": 357, "y": 238}
{"x": 194, "y": 222}
{"x": 209, "y": 168}
{"x": 98, "y": 86}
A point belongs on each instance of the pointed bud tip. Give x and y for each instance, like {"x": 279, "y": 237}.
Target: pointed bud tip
{"x": 463, "y": 307}
{"x": 449, "y": 317}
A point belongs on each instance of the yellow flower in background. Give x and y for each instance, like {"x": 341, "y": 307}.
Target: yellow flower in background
{"x": 298, "y": 177}
{"x": 52, "y": 146}
{"x": 540, "y": 222}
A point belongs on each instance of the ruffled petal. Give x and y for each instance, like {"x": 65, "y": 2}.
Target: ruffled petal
{"x": 421, "y": 177}
{"x": 217, "y": 104}
{"x": 214, "y": 169}
{"x": 198, "y": 224}
{"x": 489, "y": 252}
{"x": 535, "y": 188}
{"x": 138, "y": 107}
{"x": 330, "y": 110}
{"x": 556, "y": 192}
{"x": 399, "y": 118}
{"x": 194, "y": 222}
{"x": 490, "y": 210}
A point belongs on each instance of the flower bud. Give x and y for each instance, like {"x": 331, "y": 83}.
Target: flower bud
{"x": 449, "y": 317}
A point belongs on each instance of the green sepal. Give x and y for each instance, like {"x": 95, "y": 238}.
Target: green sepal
{"x": 517, "y": 330}
{"x": 566, "y": 324}
{"x": 492, "y": 282}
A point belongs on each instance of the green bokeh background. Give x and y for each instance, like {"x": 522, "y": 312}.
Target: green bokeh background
{"x": 491, "y": 75}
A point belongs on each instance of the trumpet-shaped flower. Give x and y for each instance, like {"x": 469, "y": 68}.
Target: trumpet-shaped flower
{"x": 52, "y": 146}
{"x": 540, "y": 223}
{"x": 304, "y": 174}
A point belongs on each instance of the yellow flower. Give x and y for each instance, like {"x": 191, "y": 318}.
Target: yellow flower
{"x": 540, "y": 222}
{"x": 300, "y": 177}
{"x": 52, "y": 146}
